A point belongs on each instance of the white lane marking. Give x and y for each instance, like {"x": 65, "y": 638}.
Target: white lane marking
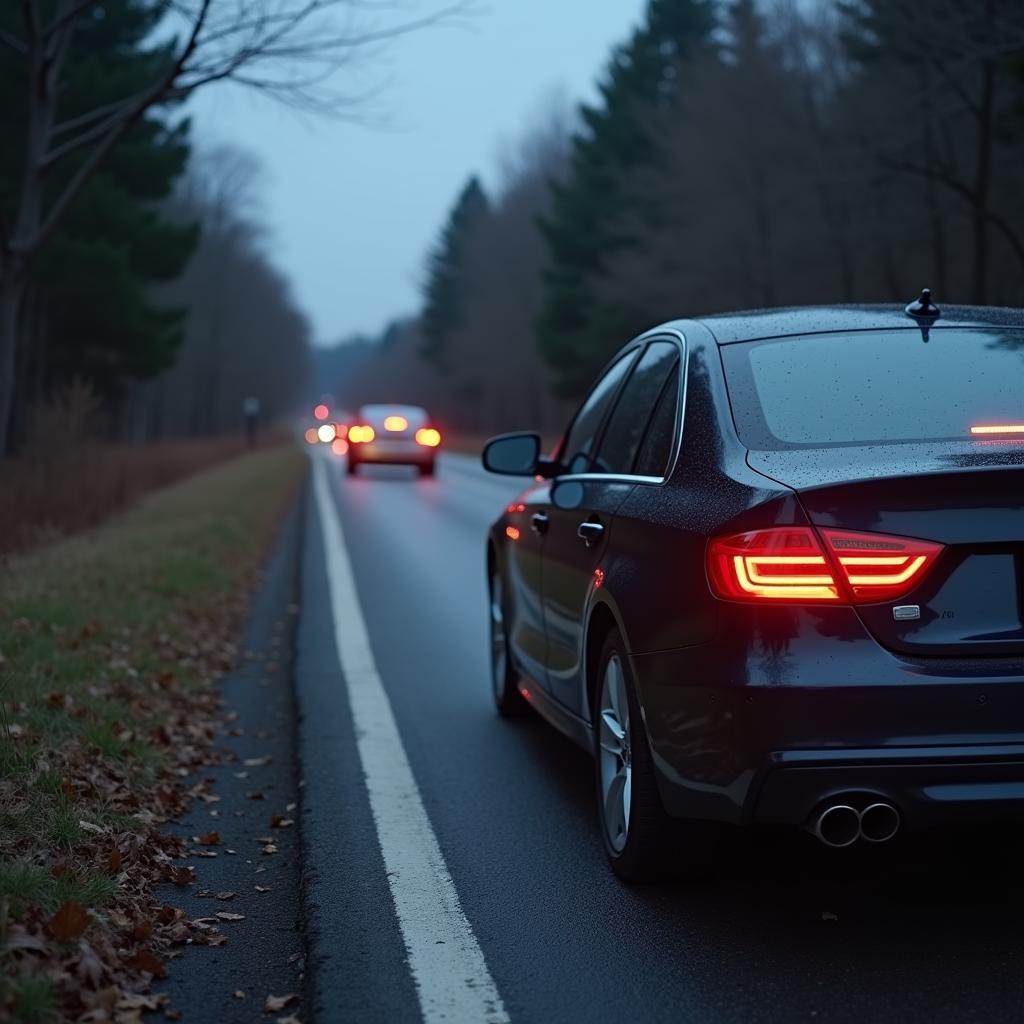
{"x": 447, "y": 964}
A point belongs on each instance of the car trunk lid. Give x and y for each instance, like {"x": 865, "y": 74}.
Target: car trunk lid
{"x": 967, "y": 496}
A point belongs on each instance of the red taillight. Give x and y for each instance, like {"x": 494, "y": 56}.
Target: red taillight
{"x": 789, "y": 564}
{"x": 361, "y": 434}
{"x": 877, "y": 567}
{"x": 428, "y": 437}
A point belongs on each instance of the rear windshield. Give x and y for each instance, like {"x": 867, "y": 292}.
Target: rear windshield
{"x": 413, "y": 415}
{"x": 875, "y": 386}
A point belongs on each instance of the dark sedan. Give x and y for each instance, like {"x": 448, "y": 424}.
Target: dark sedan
{"x": 774, "y": 572}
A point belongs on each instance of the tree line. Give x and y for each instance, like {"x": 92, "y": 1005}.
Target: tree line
{"x": 740, "y": 155}
{"x": 123, "y": 262}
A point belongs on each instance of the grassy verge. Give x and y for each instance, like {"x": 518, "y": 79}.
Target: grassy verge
{"x": 110, "y": 644}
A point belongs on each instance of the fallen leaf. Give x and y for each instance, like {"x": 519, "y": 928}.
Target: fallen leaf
{"x": 225, "y": 915}
{"x": 290, "y": 807}
{"x": 268, "y": 848}
{"x": 275, "y": 1003}
{"x": 279, "y": 821}
{"x": 290, "y": 1019}
{"x": 140, "y": 1001}
{"x": 239, "y": 994}
{"x": 70, "y": 920}
{"x": 226, "y": 895}
{"x": 167, "y": 914}
{"x": 263, "y": 888}
{"x": 143, "y": 960}
{"x": 182, "y": 876}
{"x": 256, "y": 762}
{"x": 19, "y": 938}
{"x": 209, "y": 839}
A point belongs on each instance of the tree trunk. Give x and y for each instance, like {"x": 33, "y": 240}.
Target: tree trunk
{"x": 12, "y": 291}
{"x": 981, "y": 190}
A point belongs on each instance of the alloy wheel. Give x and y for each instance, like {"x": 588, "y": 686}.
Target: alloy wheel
{"x": 499, "y": 643}
{"x": 616, "y": 759}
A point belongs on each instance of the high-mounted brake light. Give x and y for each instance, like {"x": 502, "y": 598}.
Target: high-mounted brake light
{"x": 998, "y": 428}
{"x": 395, "y": 423}
{"x": 790, "y": 564}
{"x": 428, "y": 437}
{"x": 361, "y": 434}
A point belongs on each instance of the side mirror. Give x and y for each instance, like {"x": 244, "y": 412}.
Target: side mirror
{"x": 513, "y": 455}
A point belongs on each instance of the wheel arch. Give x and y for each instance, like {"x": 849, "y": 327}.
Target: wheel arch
{"x": 601, "y": 620}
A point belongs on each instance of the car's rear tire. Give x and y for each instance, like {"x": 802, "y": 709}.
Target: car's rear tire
{"x": 642, "y": 842}
{"x": 504, "y": 679}
{"x": 427, "y": 469}
{"x": 351, "y": 467}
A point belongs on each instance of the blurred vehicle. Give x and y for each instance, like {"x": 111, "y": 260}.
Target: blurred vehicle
{"x": 393, "y": 435}
{"x": 775, "y": 573}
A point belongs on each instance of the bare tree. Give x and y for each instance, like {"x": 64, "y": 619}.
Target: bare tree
{"x": 286, "y": 49}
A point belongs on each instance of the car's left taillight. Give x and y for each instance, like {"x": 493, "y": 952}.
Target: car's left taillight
{"x": 802, "y": 565}
{"x": 429, "y": 437}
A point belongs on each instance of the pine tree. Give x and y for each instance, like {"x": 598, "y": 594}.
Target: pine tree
{"x": 91, "y": 313}
{"x": 446, "y": 270}
{"x": 93, "y": 280}
{"x": 578, "y": 329}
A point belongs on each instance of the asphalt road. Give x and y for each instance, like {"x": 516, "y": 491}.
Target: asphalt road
{"x": 927, "y": 930}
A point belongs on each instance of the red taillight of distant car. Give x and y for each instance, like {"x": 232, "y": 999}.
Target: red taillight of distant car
{"x": 791, "y": 564}
{"x": 428, "y": 437}
{"x": 361, "y": 434}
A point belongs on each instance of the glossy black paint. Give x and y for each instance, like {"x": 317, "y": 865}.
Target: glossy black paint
{"x": 758, "y": 712}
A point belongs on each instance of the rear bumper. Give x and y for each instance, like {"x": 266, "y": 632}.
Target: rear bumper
{"x": 930, "y": 786}
{"x": 392, "y": 452}
{"x": 744, "y": 738}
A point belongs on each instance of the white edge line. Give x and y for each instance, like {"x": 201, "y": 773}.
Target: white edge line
{"x": 447, "y": 965}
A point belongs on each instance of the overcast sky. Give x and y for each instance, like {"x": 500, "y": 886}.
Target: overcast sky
{"x": 353, "y": 209}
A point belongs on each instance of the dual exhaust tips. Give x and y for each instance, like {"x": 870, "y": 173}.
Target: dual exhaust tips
{"x": 841, "y": 824}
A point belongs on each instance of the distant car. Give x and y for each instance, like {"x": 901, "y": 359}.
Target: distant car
{"x": 774, "y": 572}
{"x": 393, "y": 435}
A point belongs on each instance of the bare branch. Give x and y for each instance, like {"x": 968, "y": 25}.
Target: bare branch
{"x": 929, "y": 173}
{"x": 30, "y": 14}
{"x": 64, "y": 19}
{"x": 14, "y": 43}
{"x": 96, "y": 132}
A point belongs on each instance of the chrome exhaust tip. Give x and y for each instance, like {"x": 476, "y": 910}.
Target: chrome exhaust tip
{"x": 837, "y": 825}
{"x": 879, "y": 822}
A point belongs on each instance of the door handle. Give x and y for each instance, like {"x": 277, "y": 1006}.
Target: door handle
{"x": 589, "y": 532}
{"x": 539, "y": 522}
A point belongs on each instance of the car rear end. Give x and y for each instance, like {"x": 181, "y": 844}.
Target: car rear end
{"x": 868, "y": 667}
{"x": 393, "y": 435}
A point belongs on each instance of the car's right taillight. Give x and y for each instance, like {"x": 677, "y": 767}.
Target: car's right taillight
{"x": 791, "y": 564}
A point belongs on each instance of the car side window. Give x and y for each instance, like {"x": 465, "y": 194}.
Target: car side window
{"x": 656, "y": 449}
{"x": 579, "y": 442}
{"x": 632, "y": 412}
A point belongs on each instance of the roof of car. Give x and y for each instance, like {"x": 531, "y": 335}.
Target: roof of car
{"x": 751, "y": 324}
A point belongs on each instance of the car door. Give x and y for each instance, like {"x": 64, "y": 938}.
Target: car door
{"x": 599, "y": 453}
{"x": 527, "y": 519}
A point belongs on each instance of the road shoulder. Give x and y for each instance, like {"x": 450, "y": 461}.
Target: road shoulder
{"x": 242, "y": 827}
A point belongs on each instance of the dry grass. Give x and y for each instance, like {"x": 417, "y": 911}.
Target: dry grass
{"x": 67, "y": 486}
